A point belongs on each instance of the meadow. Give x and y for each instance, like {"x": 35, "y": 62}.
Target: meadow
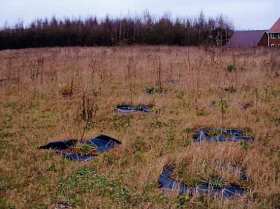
{"x": 52, "y": 94}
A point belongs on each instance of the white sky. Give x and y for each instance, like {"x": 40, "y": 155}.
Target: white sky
{"x": 244, "y": 14}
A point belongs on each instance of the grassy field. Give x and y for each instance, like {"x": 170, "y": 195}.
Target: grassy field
{"x": 44, "y": 93}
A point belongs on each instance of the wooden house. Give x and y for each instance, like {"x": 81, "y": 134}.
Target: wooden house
{"x": 265, "y": 38}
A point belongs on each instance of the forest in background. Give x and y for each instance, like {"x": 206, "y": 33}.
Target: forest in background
{"x": 142, "y": 30}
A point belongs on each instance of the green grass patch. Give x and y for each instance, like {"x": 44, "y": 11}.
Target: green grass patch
{"x": 88, "y": 181}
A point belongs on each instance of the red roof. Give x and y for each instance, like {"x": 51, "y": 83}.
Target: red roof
{"x": 276, "y": 27}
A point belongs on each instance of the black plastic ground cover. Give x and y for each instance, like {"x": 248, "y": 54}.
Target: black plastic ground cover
{"x": 60, "y": 145}
{"x": 221, "y": 135}
{"x": 168, "y": 184}
{"x": 100, "y": 143}
{"x": 125, "y": 108}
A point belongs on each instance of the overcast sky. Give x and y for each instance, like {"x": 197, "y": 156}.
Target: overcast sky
{"x": 244, "y": 14}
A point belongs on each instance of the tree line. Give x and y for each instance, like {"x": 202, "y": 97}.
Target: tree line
{"x": 144, "y": 30}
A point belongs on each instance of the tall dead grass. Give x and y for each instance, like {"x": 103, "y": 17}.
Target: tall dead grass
{"x": 56, "y": 93}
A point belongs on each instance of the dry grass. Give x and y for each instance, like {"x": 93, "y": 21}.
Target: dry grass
{"x": 52, "y": 94}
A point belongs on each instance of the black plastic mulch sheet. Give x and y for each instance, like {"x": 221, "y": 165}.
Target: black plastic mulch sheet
{"x": 221, "y": 135}
{"x": 100, "y": 143}
{"x": 125, "y": 108}
{"x": 167, "y": 183}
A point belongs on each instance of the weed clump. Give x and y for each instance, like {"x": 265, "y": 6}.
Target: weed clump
{"x": 84, "y": 149}
{"x": 151, "y": 90}
{"x": 67, "y": 90}
{"x": 231, "y": 68}
{"x": 230, "y": 89}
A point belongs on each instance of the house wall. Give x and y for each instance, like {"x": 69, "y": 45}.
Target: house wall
{"x": 274, "y": 42}
{"x": 264, "y": 40}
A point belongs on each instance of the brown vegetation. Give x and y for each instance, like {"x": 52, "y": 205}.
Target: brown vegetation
{"x": 56, "y": 93}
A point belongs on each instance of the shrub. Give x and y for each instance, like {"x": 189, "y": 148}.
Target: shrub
{"x": 231, "y": 68}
